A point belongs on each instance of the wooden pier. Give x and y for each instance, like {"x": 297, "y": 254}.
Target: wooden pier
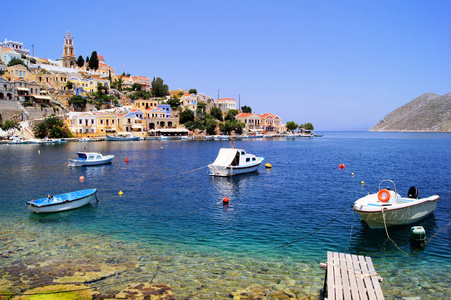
{"x": 350, "y": 277}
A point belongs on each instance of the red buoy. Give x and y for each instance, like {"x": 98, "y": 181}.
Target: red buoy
{"x": 341, "y": 166}
{"x": 126, "y": 160}
{"x": 225, "y": 200}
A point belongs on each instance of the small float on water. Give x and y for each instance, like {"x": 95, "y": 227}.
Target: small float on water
{"x": 62, "y": 202}
{"x": 231, "y": 161}
{"x": 388, "y": 208}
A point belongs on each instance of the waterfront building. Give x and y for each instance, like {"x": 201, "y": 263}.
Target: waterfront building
{"x": 106, "y": 123}
{"x": 271, "y": 123}
{"x": 225, "y": 104}
{"x": 21, "y": 89}
{"x": 7, "y": 91}
{"x": 132, "y": 122}
{"x": 251, "y": 121}
{"x": 83, "y": 123}
{"x": 69, "y": 60}
{"x": 189, "y": 101}
{"x": 16, "y": 46}
{"x": 167, "y": 108}
{"x": 156, "y": 118}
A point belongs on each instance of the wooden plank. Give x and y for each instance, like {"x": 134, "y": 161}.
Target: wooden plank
{"x": 359, "y": 277}
{"x": 375, "y": 279}
{"x": 330, "y": 277}
{"x": 337, "y": 276}
{"x": 352, "y": 278}
{"x": 367, "y": 279}
{"x": 345, "y": 277}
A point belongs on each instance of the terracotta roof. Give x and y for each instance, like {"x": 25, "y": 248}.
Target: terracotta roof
{"x": 243, "y": 115}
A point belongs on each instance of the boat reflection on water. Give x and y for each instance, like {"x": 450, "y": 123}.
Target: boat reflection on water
{"x": 231, "y": 185}
{"x": 374, "y": 242}
{"x": 70, "y": 217}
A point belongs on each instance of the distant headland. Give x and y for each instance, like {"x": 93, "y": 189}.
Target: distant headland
{"x": 426, "y": 113}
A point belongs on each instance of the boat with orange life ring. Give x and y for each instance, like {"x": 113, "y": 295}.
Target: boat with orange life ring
{"x": 388, "y": 208}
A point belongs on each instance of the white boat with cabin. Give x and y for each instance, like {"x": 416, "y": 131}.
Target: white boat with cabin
{"x": 387, "y": 208}
{"x": 231, "y": 161}
{"x": 90, "y": 159}
{"x": 17, "y": 140}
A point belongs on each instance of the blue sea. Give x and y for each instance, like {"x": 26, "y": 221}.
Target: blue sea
{"x": 170, "y": 226}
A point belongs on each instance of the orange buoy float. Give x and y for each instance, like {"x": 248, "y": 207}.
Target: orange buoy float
{"x": 383, "y": 195}
{"x": 225, "y": 201}
{"x": 341, "y": 166}
{"x": 126, "y": 160}
{"x": 81, "y": 178}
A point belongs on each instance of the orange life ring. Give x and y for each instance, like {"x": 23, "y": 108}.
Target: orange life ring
{"x": 383, "y": 195}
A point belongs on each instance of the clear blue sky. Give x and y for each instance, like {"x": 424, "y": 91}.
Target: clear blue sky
{"x": 341, "y": 65}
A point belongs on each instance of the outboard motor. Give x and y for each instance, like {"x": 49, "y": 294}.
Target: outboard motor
{"x": 412, "y": 193}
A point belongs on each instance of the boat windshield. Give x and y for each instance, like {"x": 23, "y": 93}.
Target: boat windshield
{"x": 82, "y": 155}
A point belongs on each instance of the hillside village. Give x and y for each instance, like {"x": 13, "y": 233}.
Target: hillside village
{"x": 93, "y": 101}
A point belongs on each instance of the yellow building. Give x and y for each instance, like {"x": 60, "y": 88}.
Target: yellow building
{"x": 16, "y": 72}
{"x": 106, "y": 123}
{"x": 51, "y": 81}
{"x": 144, "y": 104}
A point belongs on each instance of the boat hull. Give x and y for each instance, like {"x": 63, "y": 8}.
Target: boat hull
{"x": 123, "y": 139}
{"x": 63, "y": 202}
{"x": 411, "y": 211}
{"x": 83, "y": 163}
{"x": 232, "y": 170}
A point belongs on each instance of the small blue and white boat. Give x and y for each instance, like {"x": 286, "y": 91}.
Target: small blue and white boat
{"x": 90, "y": 159}
{"x": 62, "y": 202}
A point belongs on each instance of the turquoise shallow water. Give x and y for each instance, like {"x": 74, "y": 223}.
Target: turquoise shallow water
{"x": 173, "y": 221}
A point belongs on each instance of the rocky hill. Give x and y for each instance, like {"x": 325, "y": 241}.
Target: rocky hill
{"x": 429, "y": 112}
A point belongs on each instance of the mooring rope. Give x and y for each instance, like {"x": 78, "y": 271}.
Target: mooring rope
{"x": 178, "y": 174}
{"x": 388, "y": 236}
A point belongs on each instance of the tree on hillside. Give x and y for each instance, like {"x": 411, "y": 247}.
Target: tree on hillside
{"x": 291, "y": 125}
{"x": 174, "y": 102}
{"x": 51, "y": 127}
{"x": 78, "y": 102}
{"x": 217, "y": 113}
{"x": 136, "y": 86}
{"x": 159, "y": 89}
{"x": 16, "y": 61}
{"x": 9, "y": 124}
{"x": 87, "y": 60}
{"x": 307, "y": 126}
{"x": 192, "y": 91}
{"x": 186, "y": 116}
{"x": 210, "y": 124}
{"x": 246, "y": 109}
{"x": 80, "y": 61}
{"x": 231, "y": 115}
{"x": 69, "y": 85}
{"x": 94, "y": 61}
{"x": 118, "y": 83}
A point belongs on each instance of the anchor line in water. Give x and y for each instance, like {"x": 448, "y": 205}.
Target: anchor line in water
{"x": 388, "y": 236}
{"x": 311, "y": 233}
{"x": 197, "y": 169}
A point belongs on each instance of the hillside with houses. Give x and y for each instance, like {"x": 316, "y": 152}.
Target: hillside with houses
{"x": 93, "y": 101}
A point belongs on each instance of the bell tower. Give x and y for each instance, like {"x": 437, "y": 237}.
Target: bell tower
{"x": 68, "y": 52}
